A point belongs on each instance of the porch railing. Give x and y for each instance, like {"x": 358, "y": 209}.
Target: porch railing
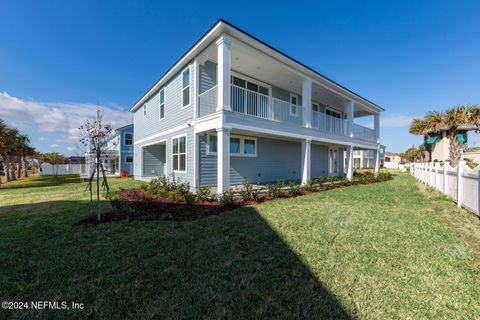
{"x": 259, "y": 105}
{"x": 364, "y": 133}
{"x": 263, "y": 106}
{"x": 207, "y": 102}
{"x": 326, "y": 123}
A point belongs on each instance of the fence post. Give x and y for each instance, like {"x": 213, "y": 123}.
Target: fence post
{"x": 445, "y": 177}
{"x": 459, "y": 183}
{"x": 436, "y": 174}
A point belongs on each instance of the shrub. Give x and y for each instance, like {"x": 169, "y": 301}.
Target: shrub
{"x": 227, "y": 198}
{"x": 164, "y": 187}
{"x": 275, "y": 190}
{"x": 190, "y": 199}
{"x": 331, "y": 182}
{"x": 204, "y": 194}
{"x": 173, "y": 195}
{"x": 145, "y": 186}
{"x": 246, "y": 191}
{"x": 310, "y": 186}
{"x": 321, "y": 182}
{"x": 294, "y": 189}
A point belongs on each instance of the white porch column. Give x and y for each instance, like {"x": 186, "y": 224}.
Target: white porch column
{"x": 349, "y": 162}
{"x": 306, "y": 160}
{"x": 376, "y": 165}
{"x": 223, "y": 159}
{"x": 224, "y": 67}
{"x": 307, "y": 102}
{"x": 349, "y": 110}
{"x": 376, "y": 127}
{"x": 361, "y": 159}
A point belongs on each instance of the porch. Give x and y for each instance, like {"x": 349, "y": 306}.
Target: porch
{"x": 235, "y": 78}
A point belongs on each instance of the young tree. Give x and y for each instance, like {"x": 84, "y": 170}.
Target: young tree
{"x": 96, "y": 137}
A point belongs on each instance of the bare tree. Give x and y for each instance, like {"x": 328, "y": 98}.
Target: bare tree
{"x": 96, "y": 137}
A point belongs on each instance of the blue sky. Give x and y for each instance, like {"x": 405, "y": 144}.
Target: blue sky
{"x": 58, "y": 61}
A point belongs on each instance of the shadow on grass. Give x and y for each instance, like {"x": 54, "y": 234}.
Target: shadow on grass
{"x": 41, "y": 181}
{"x": 233, "y": 265}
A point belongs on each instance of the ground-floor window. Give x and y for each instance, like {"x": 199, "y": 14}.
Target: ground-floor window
{"x": 239, "y": 146}
{"x": 179, "y": 153}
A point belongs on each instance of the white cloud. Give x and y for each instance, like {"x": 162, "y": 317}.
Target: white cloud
{"x": 70, "y": 148}
{"x": 43, "y": 139}
{"x": 395, "y": 121}
{"x": 54, "y": 146}
{"x": 390, "y": 121}
{"x": 60, "y": 119}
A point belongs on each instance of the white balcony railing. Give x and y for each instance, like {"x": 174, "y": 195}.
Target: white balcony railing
{"x": 326, "y": 123}
{"x": 262, "y": 106}
{"x": 259, "y": 105}
{"x": 364, "y": 133}
{"x": 207, "y": 102}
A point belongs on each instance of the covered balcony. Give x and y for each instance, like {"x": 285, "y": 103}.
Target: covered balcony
{"x": 255, "y": 85}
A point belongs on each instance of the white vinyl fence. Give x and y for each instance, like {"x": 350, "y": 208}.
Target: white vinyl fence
{"x": 460, "y": 183}
{"x": 50, "y": 170}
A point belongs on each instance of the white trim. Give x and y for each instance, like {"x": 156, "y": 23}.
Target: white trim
{"x": 125, "y": 139}
{"x": 183, "y": 88}
{"x": 242, "y": 145}
{"x": 293, "y": 95}
{"x": 179, "y": 153}
{"x": 160, "y": 103}
{"x": 164, "y": 133}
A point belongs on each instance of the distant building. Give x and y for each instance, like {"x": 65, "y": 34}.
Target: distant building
{"x": 76, "y": 160}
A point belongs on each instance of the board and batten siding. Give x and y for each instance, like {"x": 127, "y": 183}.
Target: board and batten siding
{"x": 175, "y": 115}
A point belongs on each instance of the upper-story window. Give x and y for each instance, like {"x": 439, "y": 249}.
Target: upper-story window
{"x": 162, "y": 104}
{"x": 293, "y": 104}
{"x": 244, "y": 97}
{"x": 128, "y": 139}
{"x": 334, "y": 114}
{"x": 186, "y": 87}
{"x": 145, "y": 109}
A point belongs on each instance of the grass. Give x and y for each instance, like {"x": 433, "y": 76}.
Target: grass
{"x": 41, "y": 181}
{"x": 370, "y": 251}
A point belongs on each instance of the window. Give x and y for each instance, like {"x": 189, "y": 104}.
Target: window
{"x": 179, "y": 153}
{"x": 293, "y": 105}
{"x": 145, "y": 109}
{"x": 162, "y": 104}
{"x": 244, "y": 97}
{"x": 186, "y": 87}
{"x": 234, "y": 146}
{"x": 334, "y": 114}
{"x": 239, "y": 146}
{"x": 128, "y": 139}
{"x": 315, "y": 115}
{"x": 249, "y": 147}
{"x": 129, "y": 159}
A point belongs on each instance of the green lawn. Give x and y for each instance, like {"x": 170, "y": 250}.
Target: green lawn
{"x": 371, "y": 251}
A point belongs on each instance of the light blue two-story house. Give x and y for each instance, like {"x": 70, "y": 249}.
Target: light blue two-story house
{"x": 234, "y": 108}
{"x": 119, "y": 154}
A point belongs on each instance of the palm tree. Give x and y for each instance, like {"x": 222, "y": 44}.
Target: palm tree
{"x": 451, "y": 122}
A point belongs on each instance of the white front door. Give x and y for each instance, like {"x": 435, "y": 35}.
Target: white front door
{"x": 333, "y": 161}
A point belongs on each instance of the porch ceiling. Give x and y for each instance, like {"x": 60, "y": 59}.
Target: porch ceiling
{"x": 260, "y": 67}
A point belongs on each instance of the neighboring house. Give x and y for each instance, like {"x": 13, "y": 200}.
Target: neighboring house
{"x": 392, "y": 160}
{"x": 119, "y": 154}
{"x": 437, "y": 146}
{"x": 234, "y": 108}
{"x": 363, "y": 159}
{"x": 76, "y": 160}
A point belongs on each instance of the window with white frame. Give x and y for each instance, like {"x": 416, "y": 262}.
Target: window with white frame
{"x": 128, "y": 139}
{"x": 162, "y": 104}
{"x": 129, "y": 159}
{"x": 179, "y": 153}
{"x": 186, "y": 87}
{"x": 145, "y": 109}
{"x": 315, "y": 115}
{"x": 239, "y": 146}
{"x": 293, "y": 104}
